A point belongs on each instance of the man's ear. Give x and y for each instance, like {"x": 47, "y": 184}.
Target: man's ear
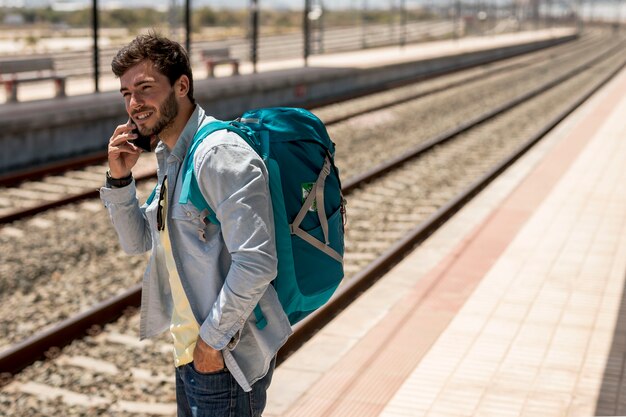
{"x": 181, "y": 86}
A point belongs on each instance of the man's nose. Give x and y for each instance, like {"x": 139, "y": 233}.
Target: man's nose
{"x": 135, "y": 101}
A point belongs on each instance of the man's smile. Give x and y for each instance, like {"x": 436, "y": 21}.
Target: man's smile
{"x": 142, "y": 116}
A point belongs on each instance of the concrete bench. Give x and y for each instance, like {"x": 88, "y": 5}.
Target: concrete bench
{"x": 23, "y": 70}
{"x": 217, "y": 56}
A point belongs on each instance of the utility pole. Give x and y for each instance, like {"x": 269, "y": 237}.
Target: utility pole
{"x": 535, "y": 12}
{"x": 403, "y": 22}
{"x": 457, "y": 19}
{"x": 254, "y": 15}
{"x": 618, "y": 14}
{"x": 319, "y": 30}
{"x": 363, "y": 25}
{"x": 173, "y": 19}
{"x": 188, "y": 27}
{"x": 515, "y": 14}
{"x": 96, "y": 51}
{"x": 392, "y": 18}
{"x": 549, "y": 13}
{"x": 306, "y": 28}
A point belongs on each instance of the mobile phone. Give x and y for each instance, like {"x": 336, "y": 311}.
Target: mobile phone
{"x": 143, "y": 142}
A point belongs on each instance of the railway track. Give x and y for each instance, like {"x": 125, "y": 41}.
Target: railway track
{"x": 32, "y": 272}
{"x": 11, "y": 207}
{"x": 409, "y": 195}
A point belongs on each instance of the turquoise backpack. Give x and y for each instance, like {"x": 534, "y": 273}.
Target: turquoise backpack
{"x": 308, "y": 205}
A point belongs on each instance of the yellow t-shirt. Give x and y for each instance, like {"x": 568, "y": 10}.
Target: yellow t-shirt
{"x": 184, "y": 327}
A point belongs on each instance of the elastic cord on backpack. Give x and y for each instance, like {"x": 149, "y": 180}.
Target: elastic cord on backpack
{"x": 308, "y": 203}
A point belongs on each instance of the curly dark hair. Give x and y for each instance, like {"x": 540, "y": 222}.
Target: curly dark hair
{"x": 169, "y": 58}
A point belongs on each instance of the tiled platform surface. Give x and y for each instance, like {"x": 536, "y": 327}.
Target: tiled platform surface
{"x": 361, "y": 59}
{"x": 514, "y": 308}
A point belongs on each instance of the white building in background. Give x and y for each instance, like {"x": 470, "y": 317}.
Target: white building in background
{"x": 12, "y": 3}
{"x": 68, "y": 5}
{"x": 13, "y": 19}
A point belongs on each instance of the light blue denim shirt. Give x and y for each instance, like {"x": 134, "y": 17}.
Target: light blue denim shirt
{"x": 225, "y": 269}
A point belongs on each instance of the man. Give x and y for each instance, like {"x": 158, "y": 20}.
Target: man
{"x": 202, "y": 280}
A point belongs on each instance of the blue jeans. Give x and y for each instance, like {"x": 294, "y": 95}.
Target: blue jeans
{"x": 217, "y": 394}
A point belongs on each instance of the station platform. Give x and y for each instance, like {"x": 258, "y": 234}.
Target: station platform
{"x": 515, "y": 307}
{"x": 82, "y": 122}
{"x": 366, "y": 58}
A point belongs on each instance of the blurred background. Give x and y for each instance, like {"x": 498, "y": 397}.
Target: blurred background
{"x": 83, "y": 35}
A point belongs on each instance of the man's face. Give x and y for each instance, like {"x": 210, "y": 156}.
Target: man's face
{"x": 149, "y": 98}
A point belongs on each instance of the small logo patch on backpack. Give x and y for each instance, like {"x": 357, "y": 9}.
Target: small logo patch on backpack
{"x": 306, "y": 190}
{"x": 307, "y": 187}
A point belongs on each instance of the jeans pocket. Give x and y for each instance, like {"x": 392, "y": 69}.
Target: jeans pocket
{"x": 192, "y": 366}
{"x": 209, "y": 394}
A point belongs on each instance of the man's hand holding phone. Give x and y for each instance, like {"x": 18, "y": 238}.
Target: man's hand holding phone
{"x": 141, "y": 141}
{"x": 123, "y": 154}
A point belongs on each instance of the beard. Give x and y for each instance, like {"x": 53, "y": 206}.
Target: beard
{"x": 168, "y": 111}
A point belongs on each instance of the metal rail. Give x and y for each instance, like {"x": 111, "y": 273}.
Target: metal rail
{"x": 445, "y": 136}
{"x": 18, "y": 215}
{"x": 47, "y": 343}
{"x": 34, "y": 348}
{"x": 60, "y": 167}
{"x": 272, "y": 47}
{"x": 11, "y": 179}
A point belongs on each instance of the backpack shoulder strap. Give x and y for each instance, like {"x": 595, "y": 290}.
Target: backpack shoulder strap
{"x": 190, "y": 190}
{"x": 152, "y": 195}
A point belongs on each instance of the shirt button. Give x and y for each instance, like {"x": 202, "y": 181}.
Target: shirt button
{"x": 241, "y": 321}
{"x": 188, "y": 214}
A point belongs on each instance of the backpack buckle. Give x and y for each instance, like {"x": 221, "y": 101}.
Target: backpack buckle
{"x": 326, "y": 167}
